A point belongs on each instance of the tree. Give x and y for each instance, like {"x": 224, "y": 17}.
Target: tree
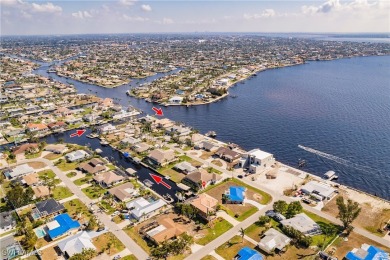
{"x": 92, "y": 224}
{"x": 328, "y": 230}
{"x": 264, "y": 220}
{"x": 86, "y": 254}
{"x": 242, "y": 234}
{"x": 293, "y": 209}
{"x": 19, "y": 197}
{"x": 280, "y": 206}
{"x": 347, "y": 212}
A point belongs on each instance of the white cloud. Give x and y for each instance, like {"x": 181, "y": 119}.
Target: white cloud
{"x": 146, "y": 8}
{"x": 135, "y": 18}
{"x": 82, "y": 14}
{"x": 335, "y": 6}
{"x": 267, "y": 13}
{"x": 10, "y": 2}
{"x": 167, "y": 21}
{"x": 46, "y": 8}
{"x": 127, "y": 2}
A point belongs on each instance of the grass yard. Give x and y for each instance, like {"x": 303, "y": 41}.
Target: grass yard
{"x": 209, "y": 257}
{"x": 111, "y": 166}
{"x": 255, "y": 230}
{"x": 102, "y": 244}
{"x": 74, "y": 207}
{"x": 49, "y": 173}
{"x": 61, "y": 192}
{"x": 49, "y": 253}
{"x": 52, "y": 156}
{"x": 32, "y": 156}
{"x": 293, "y": 253}
{"x": 83, "y": 180}
{"x": 129, "y": 257}
{"x": 340, "y": 247}
{"x": 65, "y": 166}
{"x": 190, "y": 160}
{"x": 217, "y": 162}
{"x": 131, "y": 232}
{"x": 107, "y": 207}
{"x": 230, "y": 249}
{"x": 175, "y": 176}
{"x": 71, "y": 174}
{"x": 220, "y": 227}
{"x": 94, "y": 192}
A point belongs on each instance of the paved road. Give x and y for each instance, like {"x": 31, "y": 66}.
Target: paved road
{"x": 111, "y": 226}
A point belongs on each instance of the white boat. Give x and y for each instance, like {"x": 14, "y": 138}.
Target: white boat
{"x": 330, "y": 175}
{"x": 104, "y": 142}
{"x": 98, "y": 150}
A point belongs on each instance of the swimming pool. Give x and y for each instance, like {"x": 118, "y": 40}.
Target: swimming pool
{"x": 40, "y": 232}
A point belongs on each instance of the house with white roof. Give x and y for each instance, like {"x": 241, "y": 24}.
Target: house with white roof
{"x": 302, "y": 223}
{"x": 78, "y": 155}
{"x": 19, "y": 171}
{"x": 256, "y": 161}
{"x": 142, "y": 209}
{"x": 75, "y": 244}
{"x": 319, "y": 190}
{"x": 273, "y": 240}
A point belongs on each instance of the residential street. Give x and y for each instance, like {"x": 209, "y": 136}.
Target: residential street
{"x": 111, "y": 226}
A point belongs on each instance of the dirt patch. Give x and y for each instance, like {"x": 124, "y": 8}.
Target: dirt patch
{"x": 206, "y": 155}
{"x": 37, "y": 165}
{"x": 372, "y": 217}
{"x": 49, "y": 253}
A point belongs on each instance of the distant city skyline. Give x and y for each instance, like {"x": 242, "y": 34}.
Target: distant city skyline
{"x": 20, "y": 17}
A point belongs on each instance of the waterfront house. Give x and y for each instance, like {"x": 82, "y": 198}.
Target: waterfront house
{"x": 272, "y": 240}
{"x": 160, "y": 158}
{"x": 318, "y": 190}
{"x": 108, "y": 179}
{"x": 205, "y": 205}
{"x": 176, "y": 100}
{"x": 63, "y": 112}
{"x": 166, "y": 230}
{"x": 208, "y": 146}
{"x": 62, "y": 225}
{"x": 105, "y": 129}
{"x": 234, "y": 195}
{"x": 19, "y": 171}
{"x": 227, "y": 154}
{"x": 46, "y": 208}
{"x": 367, "y": 252}
{"x": 93, "y": 166}
{"x": 76, "y": 244}
{"x": 130, "y": 141}
{"x": 303, "y": 223}
{"x": 141, "y": 147}
{"x": 164, "y": 123}
{"x": 123, "y": 192}
{"x": 142, "y": 209}
{"x": 247, "y": 253}
{"x": 75, "y": 156}
{"x": 106, "y": 103}
{"x": 200, "y": 179}
{"x": 56, "y": 148}
{"x": 29, "y": 147}
{"x": 184, "y": 167}
{"x": 7, "y": 221}
{"x": 178, "y": 130}
{"x": 37, "y": 128}
{"x": 256, "y": 161}
{"x": 57, "y": 126}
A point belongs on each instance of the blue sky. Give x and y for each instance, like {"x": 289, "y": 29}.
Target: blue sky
{"x": 131, "y": 16}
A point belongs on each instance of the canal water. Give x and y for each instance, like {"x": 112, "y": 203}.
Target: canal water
{"x": 334, "y": 114}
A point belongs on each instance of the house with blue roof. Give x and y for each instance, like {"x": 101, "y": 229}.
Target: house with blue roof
{"x": 234, "y": 195}
{"x": 62, "y": 225}
{"x": 247, "y": 253}
{"x": 367, "y": 252}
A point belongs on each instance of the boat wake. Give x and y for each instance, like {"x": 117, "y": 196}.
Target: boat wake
{"x": 338, "y": 159}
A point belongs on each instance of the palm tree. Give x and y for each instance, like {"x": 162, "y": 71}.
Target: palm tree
{"x": 242, "y": 234}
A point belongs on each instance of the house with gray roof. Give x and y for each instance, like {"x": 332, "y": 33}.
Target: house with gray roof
{"x": 303, "y": 223}
{"x": 78, "y": 155}
{"x": 75, "y": 244}
{"x": 273, "y": 240}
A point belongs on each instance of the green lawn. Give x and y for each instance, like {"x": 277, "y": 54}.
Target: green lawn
{"x": 175, "y": 176}
{"x": 230, "y": 249}
{"x": 76, "y": 206}
{"x": 71, "y": 174}
{"x": 129, "y": 257}
{"x": 247, "y": 213}
{"x": 48, "y": 173}
{"x": 65, "y": 166}
{"x": 131, "y": 232}
{"x": 254, "y": 230}
{"x": 60, "y": 192}
{"x": 190, "y": 160}
{"x": 111, "y": 166}
{"x": 83, "y": 180}
{"x": 109, "y": 209}
{"x": 220, "y": 227}
{"x": 209, "y": 257}
{"x": 94, "y": 192}
{"x": 32, "y": 156}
